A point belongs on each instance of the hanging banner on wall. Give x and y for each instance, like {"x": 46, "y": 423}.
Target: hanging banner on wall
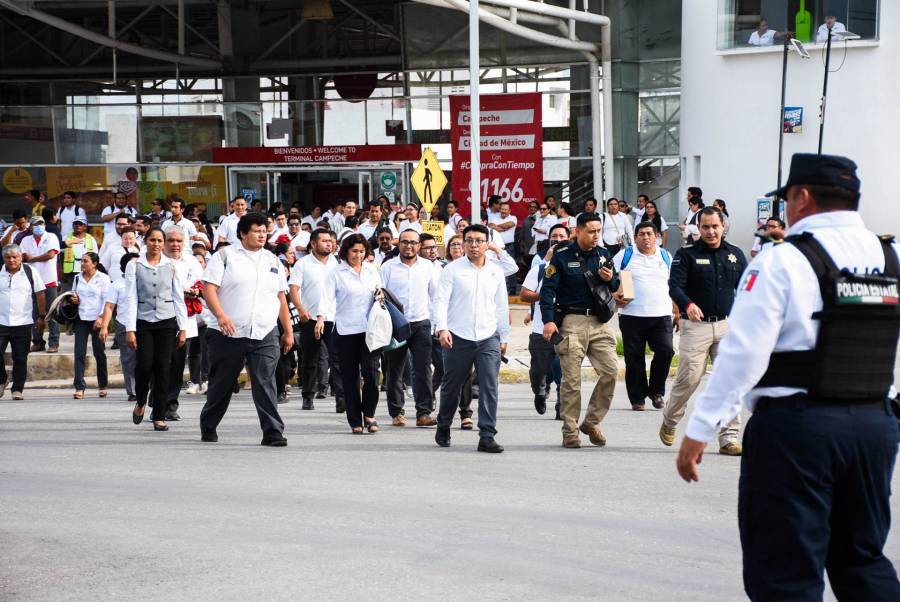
{"x": 512, "y": 164}
{"x": 318, "y": 154}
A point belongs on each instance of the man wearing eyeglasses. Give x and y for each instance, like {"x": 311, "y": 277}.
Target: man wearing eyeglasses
{"x": 473, "y": 333}
{"x": 541, "y": 228}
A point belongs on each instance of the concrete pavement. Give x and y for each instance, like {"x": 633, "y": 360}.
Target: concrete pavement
{"x": 95, "y": 508}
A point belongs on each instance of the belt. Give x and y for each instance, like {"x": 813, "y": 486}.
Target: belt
{"x": 801, "y": 401}
{"x": 581, "y": 311}
{"x": 713, "y": 318}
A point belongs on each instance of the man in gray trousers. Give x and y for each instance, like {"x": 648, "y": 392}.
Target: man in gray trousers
{"x": 245, "y": 292}
{"x": 474, "y": 333}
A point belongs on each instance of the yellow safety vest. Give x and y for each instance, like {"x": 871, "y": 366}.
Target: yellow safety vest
{"x": 90, "y": 245}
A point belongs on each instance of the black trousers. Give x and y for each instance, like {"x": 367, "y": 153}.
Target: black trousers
{"x": 19, "y": 338}
{"x": 283, "y": 370}
{"x": 437, "y": 360}
{"x": 613, "y": 249}
{"x": 155, "y": 346}
{"x": 176, "y": 376}
{"x": 226, "y": 360}
{"x": 198, "y": 362}
{"x": 84, "y": 329}
{"x": 418, "y": 346}
{"x": 814, "y": 496}
{"x": 356, "y": 360}
{"x": 637, "y": 333}
{"x": 311, "y": 348}
{"x": 541, "y": 369}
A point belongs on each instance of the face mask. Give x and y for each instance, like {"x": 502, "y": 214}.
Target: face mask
{"x": 38, "y": 230}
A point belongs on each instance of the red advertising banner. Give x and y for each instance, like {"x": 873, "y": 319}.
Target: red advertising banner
{"x": 512, "y": 161}
{"x": 299, "y": 155}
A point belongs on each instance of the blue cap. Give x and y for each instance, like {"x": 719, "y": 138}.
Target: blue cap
{"x": 808, "y": 169}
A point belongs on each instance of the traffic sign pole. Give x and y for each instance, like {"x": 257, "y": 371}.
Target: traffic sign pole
{"x": 474, "y": 113}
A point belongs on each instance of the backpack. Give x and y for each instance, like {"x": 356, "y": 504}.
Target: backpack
{"x": 630, "y": 251}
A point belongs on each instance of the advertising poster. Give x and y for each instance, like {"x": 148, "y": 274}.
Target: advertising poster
{"x": 189, "y": 138}
{"x": 793, "y": 120}
{"x": 512, "y": 163}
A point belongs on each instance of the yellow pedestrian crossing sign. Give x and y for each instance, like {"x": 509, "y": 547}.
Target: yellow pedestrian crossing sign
{"x": 428, "y": 180}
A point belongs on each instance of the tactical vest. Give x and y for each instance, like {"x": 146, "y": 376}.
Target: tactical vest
{"x": 853, "y": 359}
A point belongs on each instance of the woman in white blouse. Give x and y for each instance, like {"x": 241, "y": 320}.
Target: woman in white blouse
{"x": 651, "y": 214}
{"x": 349, "y": 295}
{"x": 89, "y": 290}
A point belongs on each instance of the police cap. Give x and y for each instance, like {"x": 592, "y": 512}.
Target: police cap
{"x": 808, "y": 169}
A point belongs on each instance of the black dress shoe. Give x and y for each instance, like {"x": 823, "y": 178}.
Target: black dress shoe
{"x": 340, "y": 407}
{"x": 209, "y": 436}
{"x": 489, "y": 446}
{"x": 236, "y": 388}
{"x": 637, "y": 407}
{"x": 274, "y": 440}
{"x": 132, "y": 398}
{"x": 658, "y": 401}
{"x": 308, "y": 404}
{"x": 558, "y": 417}
{"x": 173, "y": 416}
{"x": 442, "y": 436}
{"x": 540, "y": 404}
{"x": 137, "y": 418}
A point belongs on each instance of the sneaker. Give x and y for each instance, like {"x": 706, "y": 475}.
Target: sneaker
{"x": 17, "y": 395}
{"x": 658, "y": 401}
{"x": 321, "y": 395}
{"x": 53, "y": 349}
{"x": 192, "y": 388}
{"x": 731, "y": 449}
{"x": 571, "y": 441}
{"x": 38, "y": 346}
{"x": 667, "y": 435}
{"x": 203, "y": 387}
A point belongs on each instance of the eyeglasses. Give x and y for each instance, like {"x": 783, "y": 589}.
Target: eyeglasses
{"x": 545, "y": 208}
{"x": 476, "y": 241}
{"x": 455, "y": 245}
{"x": 434, "y": 248}
{"x": 411, "y": 243}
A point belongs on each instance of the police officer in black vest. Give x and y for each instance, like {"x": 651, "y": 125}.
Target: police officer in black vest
{"x": 811, "y": 353}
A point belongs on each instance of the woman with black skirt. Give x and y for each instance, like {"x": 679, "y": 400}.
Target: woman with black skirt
{"x": 349, "y": 295}
{"x": 155, "y": 319}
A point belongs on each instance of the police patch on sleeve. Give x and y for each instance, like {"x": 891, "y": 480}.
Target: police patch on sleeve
{"x": 749, "y": 280}
{"x": 549, "y": 271}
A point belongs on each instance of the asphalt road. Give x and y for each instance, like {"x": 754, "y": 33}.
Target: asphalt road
{"x": 95, "y": 508}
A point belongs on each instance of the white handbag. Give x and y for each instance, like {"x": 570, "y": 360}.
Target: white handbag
{"x": 380, "y": 327}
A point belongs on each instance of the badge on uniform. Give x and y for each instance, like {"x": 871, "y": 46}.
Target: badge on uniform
{"x": 749, "y": 280}
{"x": 703, "y": 262}
{"x": 573, "y": 264}
{"x": 549, "y": 271}
{"x": 732, "y": 258}
{"x": 273, "y": 270}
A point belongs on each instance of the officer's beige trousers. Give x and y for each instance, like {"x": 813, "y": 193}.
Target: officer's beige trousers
{"x": 585, "y": 336}
{"x": 699, "y": 340}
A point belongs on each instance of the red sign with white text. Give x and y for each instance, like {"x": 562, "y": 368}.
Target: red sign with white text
{"x": 512, "y": 160}
{"x": 299, "y": 155}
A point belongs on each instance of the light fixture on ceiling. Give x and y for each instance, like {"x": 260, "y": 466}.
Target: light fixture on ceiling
{"x": 317, "y": 10}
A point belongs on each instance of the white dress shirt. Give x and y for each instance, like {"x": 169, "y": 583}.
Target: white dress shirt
{"x": 415, "y": 286}
{"x": 765, "y": 39}
{"x": 543, "y": 223}
{"x": 67, "y": 216}
{"x": 110, "y": 226}
{"x": 16, "y": 295}
{"x": 379, "y": 255}
{"x": 114, "y": 268}
{"x": 129, "y": 309}
{"x": 478, "y": 298}
{"x": 186, "y": 225}
{"x": 533, "y": 282}
{"x": 822, "y": 32}
{"x": 650, "y": 274}
{"x": 115, "y": 294}
{"x": 408, "y": 225}
{"x": 349, "y": 296}
{"x": 300, "y": 243}
{"x": 228, "y": 230}
{"x": 309, "y": 275}
{"x": 336, "y": 221}
{"x": 190, "y": 272}
{"x": 368, "y": 229}
{"x": 312, "y": 221}
{"x": 248, "y": 289}
{"x": 91, "y": 294}
{"x": 780, "y": 292}
{"x": 48, "y": 242}
{"x": 508, "y": 235}
{"x": 615, "y": 227}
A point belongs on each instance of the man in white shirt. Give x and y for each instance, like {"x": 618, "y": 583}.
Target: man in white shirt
{"x": 313, "y": 219}
{"x": 68, "y": 212}
{"x": 109, "y": 214}
{"x": 40, "y": 250}
{"x": 475, "y": 333}
{"x": 831, "y": 24}
{"x": 244, "y": 289}
{"x": 21, "y": 287}
{"x": 617, "y": 227}
{"x": 127, "y": 244}
{"x": 113, "y": 241}
{"x": 179, "y": 219}
{"x": 307, "y": 283}
{"x": 692, "y": 217}
{"x": 639, "y": 209}
{"x": 413, "y": 281}
{"x": 335, "y": 216}
{"x": 412, "y": 220}
{"x": 299, "y": 237}
{"x": 190, "y": 273}
{"x": 504, "y": 223}
{"x": 228, "y": 230}
{"x": 541, "y": 229}
{"x": 374, "y": 223}
{"x": 647, "y": 319}
{"x": 543, "y": 356}
{"x": 385, "y": 249}
{"x": 493, "y": 206}
{"x": 763, "y": 36}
